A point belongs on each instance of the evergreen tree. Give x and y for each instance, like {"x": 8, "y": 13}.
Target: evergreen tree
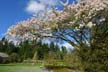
{"x": 63, "y": 52}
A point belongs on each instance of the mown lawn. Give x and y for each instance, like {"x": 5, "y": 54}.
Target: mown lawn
{"x": 20, "y": 68}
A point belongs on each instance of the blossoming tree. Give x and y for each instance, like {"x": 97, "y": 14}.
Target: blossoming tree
{"x": 80, "y": 24}
{"x": 73, "y": 21}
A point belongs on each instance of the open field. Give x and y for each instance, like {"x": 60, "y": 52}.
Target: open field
{"x": 20, "y": 68}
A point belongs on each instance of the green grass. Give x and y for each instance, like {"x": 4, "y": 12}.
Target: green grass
{"x": 20, "y": 68}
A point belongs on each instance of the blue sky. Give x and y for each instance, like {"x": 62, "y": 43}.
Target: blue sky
{"x": 13, "y": 11}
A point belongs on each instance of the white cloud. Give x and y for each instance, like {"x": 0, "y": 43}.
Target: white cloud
{"x": 34, "y": 6}
{"x": 67, "y": 45}
{"x": 49, "y": 2}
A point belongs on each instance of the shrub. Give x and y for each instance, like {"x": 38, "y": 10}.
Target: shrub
{"x": 14, "y": 57}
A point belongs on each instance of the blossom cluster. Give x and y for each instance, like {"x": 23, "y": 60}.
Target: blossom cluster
{"x": 84, "y": 13}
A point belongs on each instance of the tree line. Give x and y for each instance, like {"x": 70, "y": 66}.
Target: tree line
{"x": 28, "y": 50}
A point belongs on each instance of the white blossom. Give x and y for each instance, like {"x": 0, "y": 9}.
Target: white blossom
{"x": 81, "y": 13}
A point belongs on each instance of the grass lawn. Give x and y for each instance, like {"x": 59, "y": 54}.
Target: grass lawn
{"x": 20, "y": 68}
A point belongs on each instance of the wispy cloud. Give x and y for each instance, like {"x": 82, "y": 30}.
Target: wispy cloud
{"x": 34, "y": 6}
{"x": 67, "y": 45}
{"x": 49, "y": 2}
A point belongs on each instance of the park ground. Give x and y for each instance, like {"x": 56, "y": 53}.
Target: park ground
{"x": 21, "y": 68}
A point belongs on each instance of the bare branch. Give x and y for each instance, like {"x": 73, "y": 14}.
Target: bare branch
{"x": 64, "y": 4}
{"x": 82, "y": 1}
{"x": 54, "y": 11}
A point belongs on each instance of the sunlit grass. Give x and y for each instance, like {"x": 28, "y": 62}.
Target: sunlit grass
{"x": 20, "y": 68}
